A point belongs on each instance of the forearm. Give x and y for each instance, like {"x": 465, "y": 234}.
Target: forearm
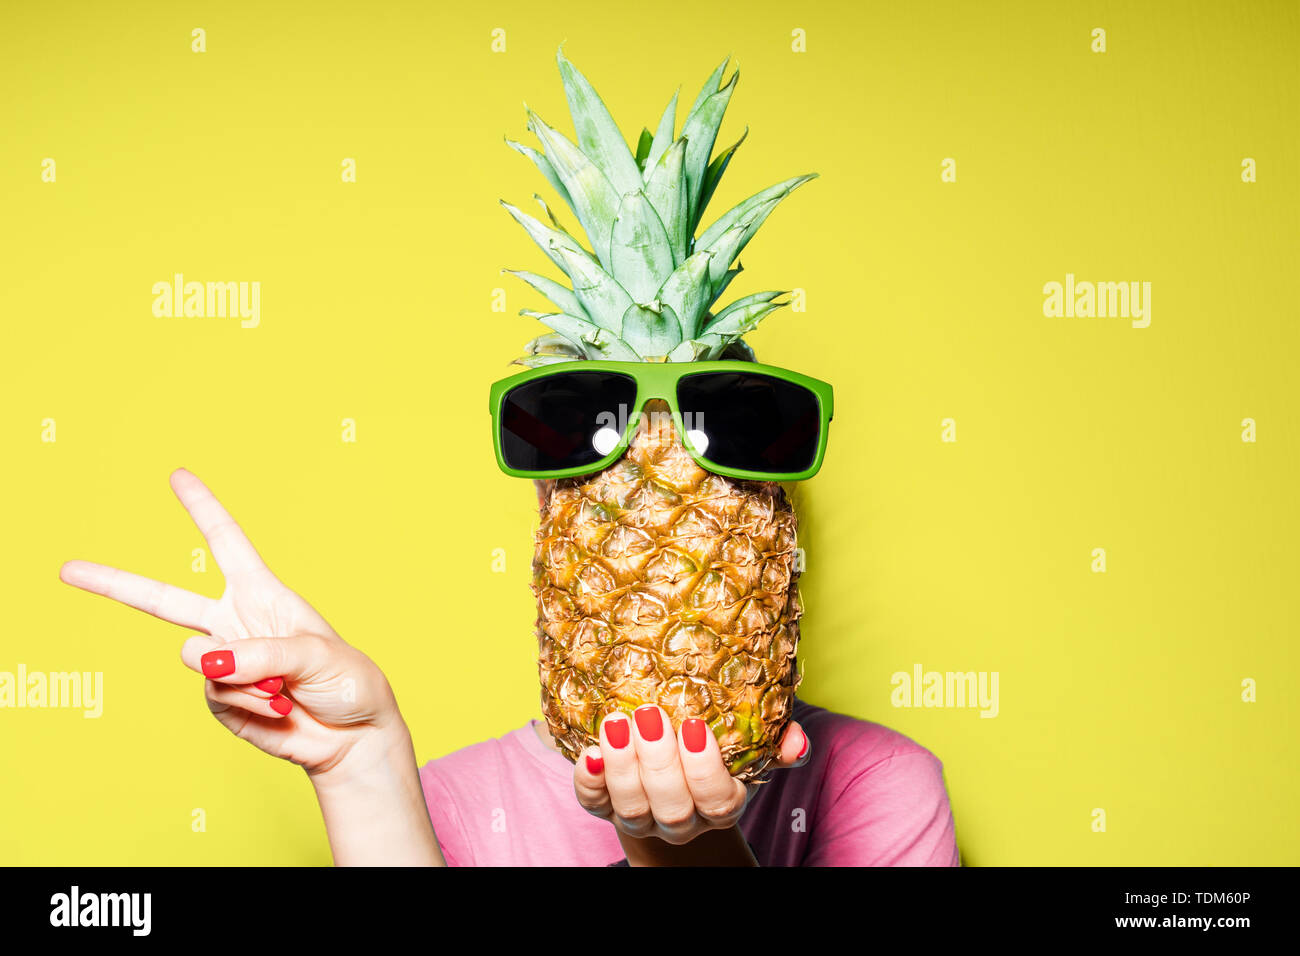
{"x": 711, "y": 848}
{"x": 374, "y": 808}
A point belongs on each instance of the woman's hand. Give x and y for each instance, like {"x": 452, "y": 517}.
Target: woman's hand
{"x": 278, "y": 675}
{"x": 657, "y": 788}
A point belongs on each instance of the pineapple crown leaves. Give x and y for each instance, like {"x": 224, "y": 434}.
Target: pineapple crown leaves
{"x": 644, "y": 285}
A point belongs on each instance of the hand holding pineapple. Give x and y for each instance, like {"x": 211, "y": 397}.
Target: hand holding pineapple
{"x": 649, "y": 783}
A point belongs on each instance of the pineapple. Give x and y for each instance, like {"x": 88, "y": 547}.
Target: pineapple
{"x": 657, "y": 581}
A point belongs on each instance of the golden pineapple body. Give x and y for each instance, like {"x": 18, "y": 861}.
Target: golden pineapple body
{"x": 659, "y": 582}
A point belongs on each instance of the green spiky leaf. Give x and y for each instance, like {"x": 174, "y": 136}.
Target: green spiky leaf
{"x": 722, "y": 252}
{"x": 721, "y": 287}
{"x": 594, "y": 200}
{"x": 700, "y": 132}
{"x": 711, "y": 177}
{"x": 603, "y": 299}
{"x": 744, "y": 211}
{"x": 643, "y": 148}
{"x": 652, "y": 331}
{"x": 550, "y": 214}
{"x": 537, "y": 361}
{"x": 552, "y": 343}
{"x": 688, "y": 351}
{"x": 710, "y": 86}
{"x": 757, "y": 297}
{"x": 594, "y": 341}
{"x": 739, "y": 351}
{"x": 729, "y": 245}
{"x": 688, "y": 292}
{"x": 666, "y": 191}
{"x": 547, "y": 350}
{"x": 715, "y": 346}
{"x": 562, "y": 296}
{"x": 598, "y": 135}
{"x": 639, "y": 248}
{"x": 663, "y": 135}
{"x": 549, "y": 239}
{"x": 741, "y": 321}
{"x": 543, "y": 164}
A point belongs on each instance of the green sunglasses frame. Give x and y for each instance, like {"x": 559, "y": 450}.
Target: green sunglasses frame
{"x": 658, "y": 380}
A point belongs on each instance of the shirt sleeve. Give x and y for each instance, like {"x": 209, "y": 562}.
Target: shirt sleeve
{"x": 446, "y": 821}
{"x": 894, "y": 812}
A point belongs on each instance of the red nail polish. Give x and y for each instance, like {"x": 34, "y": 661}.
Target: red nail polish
{"x": 218, "y": 663}
{"x": 693, "y": 732}
{"x": 281, "y": 705}
{"x": 595, "y": 764}
{"x": 271, "y": 685}
{"x": 649, "y": 722}
{"x": 618, "y": 732}
{"x": 804, "y": 749}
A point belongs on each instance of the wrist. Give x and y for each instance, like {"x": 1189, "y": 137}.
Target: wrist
{"x": 726, "y": 847}
{"x": 374, "y": 756}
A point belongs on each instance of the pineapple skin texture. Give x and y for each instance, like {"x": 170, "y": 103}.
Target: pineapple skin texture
{"x": 659, "y": 582}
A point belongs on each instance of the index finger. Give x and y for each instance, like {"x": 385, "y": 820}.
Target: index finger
{"x": 231, "y": 548}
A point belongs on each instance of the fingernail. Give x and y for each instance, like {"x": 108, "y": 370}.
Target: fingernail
{"x": 271, "y": 685}
{"x": 804, "y": 749}
{"x": 595, "y": 764}
{"x": 218, "y": 663}
{"x": 618, "y": 732}
{"x": 693, "y": 732}
{"x": 649, "y": 723}
{"x": 281, "y": 705}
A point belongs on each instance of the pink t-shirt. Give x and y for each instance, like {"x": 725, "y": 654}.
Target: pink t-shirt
{"x": 868, "y": 797}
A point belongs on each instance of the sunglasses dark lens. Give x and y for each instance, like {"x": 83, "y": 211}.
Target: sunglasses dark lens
{"x": 751, "y": 422}
{"x": 564, "y": 420}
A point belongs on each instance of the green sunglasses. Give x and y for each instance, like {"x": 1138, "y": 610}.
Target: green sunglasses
{"x": 734, "y": 418}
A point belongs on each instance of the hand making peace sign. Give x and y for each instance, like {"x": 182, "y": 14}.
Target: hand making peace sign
{"x": 263, "y": 648}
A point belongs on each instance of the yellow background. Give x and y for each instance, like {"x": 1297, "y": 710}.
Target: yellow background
{"x": 1119, "y": 691}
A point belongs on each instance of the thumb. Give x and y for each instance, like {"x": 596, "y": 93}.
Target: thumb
{"x": 253, "y": 659}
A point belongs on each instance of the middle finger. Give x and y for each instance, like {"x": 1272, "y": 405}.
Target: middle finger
{"x": 661, "y": 770}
